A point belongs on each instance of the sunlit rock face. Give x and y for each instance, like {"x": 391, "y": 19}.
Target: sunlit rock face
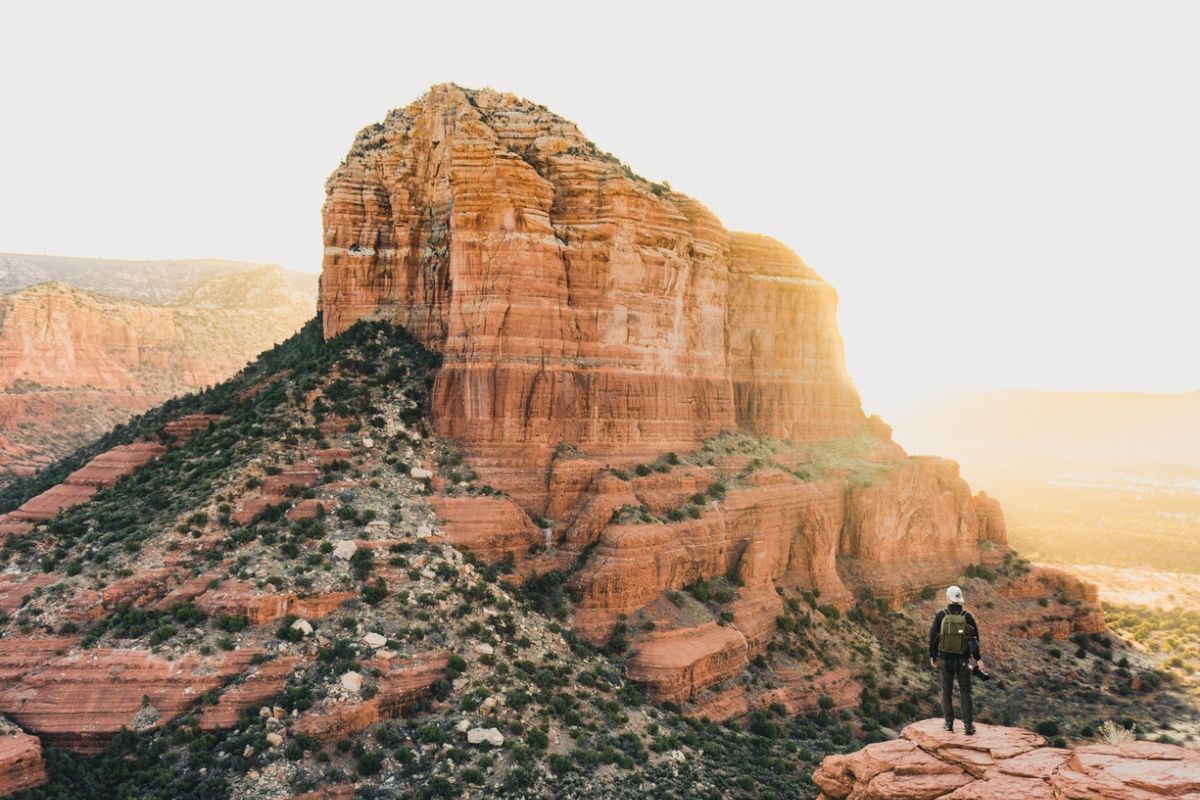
{"x": 590, "y": 321}
{"x": 572, "y": 301}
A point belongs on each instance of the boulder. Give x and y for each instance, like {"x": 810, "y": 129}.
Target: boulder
{"x": 489, "y": 736}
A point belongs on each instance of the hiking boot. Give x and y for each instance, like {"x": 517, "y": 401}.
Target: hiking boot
{"x": 969, "y": 730}
{"x": 948, "y": 726}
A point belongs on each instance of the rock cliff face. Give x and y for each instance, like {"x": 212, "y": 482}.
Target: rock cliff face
{"x": 74, "y": 362}
{"x": 928, "y": 762}
{"x": 588, "y": 320}
{"x": 572, "y": 302}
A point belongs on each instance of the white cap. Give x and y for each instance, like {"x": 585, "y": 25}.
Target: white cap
{"x": 954, "y": 594}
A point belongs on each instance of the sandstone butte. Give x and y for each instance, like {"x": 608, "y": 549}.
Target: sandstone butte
{"x": 591, "y": 324}
{"x": 588, "y": 321}
{"x": 999, "y": 763}
{"x": 75, "y": 362}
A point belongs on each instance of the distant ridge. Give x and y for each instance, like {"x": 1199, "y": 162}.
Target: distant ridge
{"x": 152, "y": 281}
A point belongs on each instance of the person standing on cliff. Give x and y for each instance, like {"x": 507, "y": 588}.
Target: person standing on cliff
{"x": 953, "y": 642}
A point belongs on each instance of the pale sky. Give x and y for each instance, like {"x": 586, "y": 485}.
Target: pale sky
{"x": 1004, "y": 195}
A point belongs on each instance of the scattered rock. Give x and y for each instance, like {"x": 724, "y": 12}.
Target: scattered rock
{"x": 303, "y": 626}
{"x": 345, "y": 549}
{"x": 489, "y": 736}
{"x": 352, "y": 682}
{"x": 374, "y": 640}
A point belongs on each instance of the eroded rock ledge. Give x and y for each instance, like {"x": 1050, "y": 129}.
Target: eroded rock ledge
{"x": 928, "y": 762}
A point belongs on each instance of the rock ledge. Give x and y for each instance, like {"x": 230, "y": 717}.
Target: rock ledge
{"x": 927, "y": 762}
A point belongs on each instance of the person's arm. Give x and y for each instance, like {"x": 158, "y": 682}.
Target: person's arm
{"x": 973, "y": 640}
{"x": 933, "y": 637}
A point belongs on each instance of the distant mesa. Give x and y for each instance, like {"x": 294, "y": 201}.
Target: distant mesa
{"x": 86, "y": 343}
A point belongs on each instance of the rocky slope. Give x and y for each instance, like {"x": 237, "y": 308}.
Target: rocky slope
{"x": 593, "y": 327}
{"x": 268, "y": 584}
{"x": 296, "y": 584}
{"x": 74, "y": 362}
{"x": 927, "y": 762}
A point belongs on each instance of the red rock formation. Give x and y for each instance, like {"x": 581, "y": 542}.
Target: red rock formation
{"x": 21, "y": 764}
{"x": 80, "y": 701}
{"x": 242, "y": 599}
{"x": 401, "y": 682}
{"x": 308, "y": 509}
{"x": 294, "y": 476}
{"x": 799, "y": 692}
{"x": 259, "y": 686}
{"x": 490, "y": 527}
{"x": 102, "y": 471}
{"x": 20, "y": 655}
{"x": 15, "y": 588}
{"x": 914, "y": 526}
{"x": 571, "y": 302}
{"x": 674, "y": 665}
{"x": 589, "y": 319}
{"x": 140, "y": 589}
{"x": 73, "y": 363}
{"x": 183, "y": 427}
{"x": 928, "y": 762}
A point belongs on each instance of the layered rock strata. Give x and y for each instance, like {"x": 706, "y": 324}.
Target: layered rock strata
{"x": 102, "y": 471}
{"x": 928, "y": 762}
{"x": 571, "y": 301}
{"x": 80, "y": 701}
{"x": 589, "y": 320}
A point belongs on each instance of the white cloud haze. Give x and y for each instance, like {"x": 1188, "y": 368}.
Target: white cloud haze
{"x": 1004, "y": 195}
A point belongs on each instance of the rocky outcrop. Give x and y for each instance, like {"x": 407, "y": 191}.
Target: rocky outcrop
{"x": 74, "y": 362}
{"x": 489, "y": 527}
{"x": 400, "y": 683}
{"x": 927, "y": 762}
{"x": 21, "y": 764}
{"x": 102, "y": 471}
{"x": 80, "y": 701}
{"x": 912, "y": 526}
{"x": 252, "y": 691}
{"x": 571, "y": 301}
{"x": 242, "y": 599}
{"x": 797, "y": 692}
{"x": 674, "y": 665}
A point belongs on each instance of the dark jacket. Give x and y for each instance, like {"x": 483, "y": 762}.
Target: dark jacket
{"x": 972, "y": 632}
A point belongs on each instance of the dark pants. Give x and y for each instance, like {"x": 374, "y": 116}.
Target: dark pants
{"x": 953, "y": 667}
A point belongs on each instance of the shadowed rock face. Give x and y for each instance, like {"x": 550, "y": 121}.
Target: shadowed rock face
{"x": 928, "y": 762}
{"x": 571, "y": 302}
